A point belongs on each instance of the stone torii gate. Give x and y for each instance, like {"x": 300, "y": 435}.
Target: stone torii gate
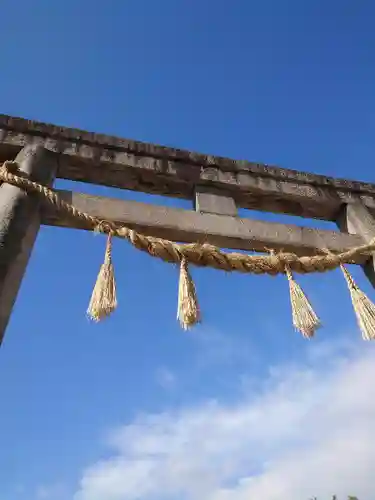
{"x": 216, "y": 186}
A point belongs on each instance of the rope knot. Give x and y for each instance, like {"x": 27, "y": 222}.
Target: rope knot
{"x": 105, "y": 227}
{"x": 276, "y": 262}
{"x": 284, "y": 260}
{"x": 10, "y": 166}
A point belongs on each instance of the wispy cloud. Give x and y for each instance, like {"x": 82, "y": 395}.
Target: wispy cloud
{"x": 54, "y": 491}
{"x": 215, "y": 348}
{"x": 165, "y": 378}
{"x": 306, "y": 430}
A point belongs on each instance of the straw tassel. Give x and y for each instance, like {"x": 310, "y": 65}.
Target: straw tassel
{"x": 363, "y": 307}
{"x": 188, "y": 312}
{"x": 103, "y": 300}
{"x": 304, "y": 318}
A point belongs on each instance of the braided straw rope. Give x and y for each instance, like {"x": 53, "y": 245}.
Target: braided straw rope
{"x": 203, "y": 255}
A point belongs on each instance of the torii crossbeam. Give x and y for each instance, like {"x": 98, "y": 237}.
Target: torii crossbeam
{"x": 216, "y": 186}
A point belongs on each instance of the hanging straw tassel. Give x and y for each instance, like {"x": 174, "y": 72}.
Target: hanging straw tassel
{"x": 188, "y": 312}
{"x": 103, "y": 300}
{"x": 363, "y": 307}
{"x": 304, "y": 318}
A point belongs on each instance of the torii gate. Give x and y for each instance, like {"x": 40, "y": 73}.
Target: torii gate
{"x": 216, "y": 186}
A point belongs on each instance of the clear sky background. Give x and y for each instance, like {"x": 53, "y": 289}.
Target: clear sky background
{"x": 242, "y": 407}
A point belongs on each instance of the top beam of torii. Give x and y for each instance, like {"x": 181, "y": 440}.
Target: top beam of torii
{"x": 127, "y": 164}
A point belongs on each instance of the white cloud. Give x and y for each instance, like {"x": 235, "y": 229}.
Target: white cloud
{"x": 165, "y": 378}
{"x": 217, "y": 348}
{"x": 307, "y": 430}
{"x": 54, "y": 491}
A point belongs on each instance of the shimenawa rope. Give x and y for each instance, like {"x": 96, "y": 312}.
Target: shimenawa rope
{"x": 202, "y": 255}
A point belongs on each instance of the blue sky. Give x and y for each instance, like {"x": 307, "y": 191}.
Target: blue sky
{"x": 117, "y": 411}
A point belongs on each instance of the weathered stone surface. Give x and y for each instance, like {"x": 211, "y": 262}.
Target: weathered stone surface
{"x": 207, "y": 201}
{"x": 128, "y": 164}
{"x": 189, "y": 226}
{"x": 356, "y": 219}
{"x": 19, "y": 225}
